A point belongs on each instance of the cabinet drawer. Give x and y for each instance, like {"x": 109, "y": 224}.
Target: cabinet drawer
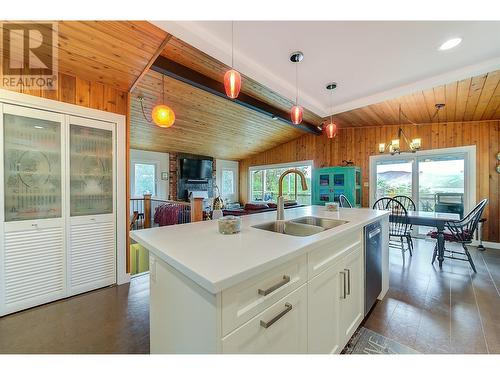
{"x": 245, "y": 300}
{"x": 322, "y": 258}
{"x": 286, "y": 331}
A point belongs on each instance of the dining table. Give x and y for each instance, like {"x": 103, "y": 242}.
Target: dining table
{"x": 437, "y": 220}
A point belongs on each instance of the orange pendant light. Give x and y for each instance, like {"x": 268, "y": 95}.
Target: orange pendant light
{"x": 296, "y": 111}
{"x": 232, "y": 83}
{"x": 296, "y": 114}
{"x": 162, "y": 114}
{"x": 232, "y": 79}
{"x": 331, "y": 128}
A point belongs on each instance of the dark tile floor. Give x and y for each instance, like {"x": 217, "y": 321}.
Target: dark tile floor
{"x": 429, "y": 310}
{"x": 451, "y": 310}
{"x": 109, "y": 320}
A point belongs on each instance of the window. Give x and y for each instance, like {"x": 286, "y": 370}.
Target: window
{"x": 264, "y": 183}
{"x": 440, "y": 180}
{"x": 227, "y": 182}
{"x": 144, "y": 179}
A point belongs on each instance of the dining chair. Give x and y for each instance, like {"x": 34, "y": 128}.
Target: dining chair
{"x": 398, "y": 223}
{"x": 344, "y": 202}
{"x": 461, "y": 231}
{"x": 407, "y": 203}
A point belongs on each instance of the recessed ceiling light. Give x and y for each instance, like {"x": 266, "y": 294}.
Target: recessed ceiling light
{"x": 38, "y": 127}
{"x": 449, "y": 44}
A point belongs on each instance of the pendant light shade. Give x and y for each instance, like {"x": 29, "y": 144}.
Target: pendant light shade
{"x": 232, "y": 83}
{"x": 163, "y": 116}
{"x": 331, "y": 130}
{"x": 296, "y": 114}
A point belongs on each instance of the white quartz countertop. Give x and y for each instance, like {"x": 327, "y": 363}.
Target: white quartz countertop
{"x": 217, "y": 262}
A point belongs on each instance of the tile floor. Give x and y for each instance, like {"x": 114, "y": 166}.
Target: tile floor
{"x": 451, "y": 310}
{"x": 430, "y": 310}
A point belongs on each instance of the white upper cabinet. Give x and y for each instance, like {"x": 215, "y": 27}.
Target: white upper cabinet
{"x": 58, "y": 212}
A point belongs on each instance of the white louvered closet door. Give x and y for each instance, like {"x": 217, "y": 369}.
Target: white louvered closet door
{"x": 32, "y": 244}
{"x": 91, "y": 202}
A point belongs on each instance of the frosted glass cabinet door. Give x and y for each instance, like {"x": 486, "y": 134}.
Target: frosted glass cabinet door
{"x": 91, "y": 170}
{"x": 32, "y": 165}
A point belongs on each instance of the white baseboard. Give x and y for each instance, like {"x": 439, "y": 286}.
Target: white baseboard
{"x": 488, "y": 245}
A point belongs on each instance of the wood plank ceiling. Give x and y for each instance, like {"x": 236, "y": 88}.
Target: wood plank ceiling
{"x": 472, "y": 99}
{"x": 206, "y": 124}
{"x": 110, "y": 52}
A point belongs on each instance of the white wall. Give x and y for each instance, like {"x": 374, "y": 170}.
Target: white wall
{"x": 220, "y": 165}
{"x": 161, "y": 161}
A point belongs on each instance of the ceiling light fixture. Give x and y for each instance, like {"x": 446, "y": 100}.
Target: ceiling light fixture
{"x": 331, "y": 128}
{"x": 449, "y": 44}
{"x": 162, "y": 115}
{"x": 232, "y": 79}
{"x": 296, "y": 111}
{"x": 415, "y": 144}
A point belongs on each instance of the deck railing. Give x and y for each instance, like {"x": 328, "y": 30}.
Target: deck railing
{"x": 143, "y": 210}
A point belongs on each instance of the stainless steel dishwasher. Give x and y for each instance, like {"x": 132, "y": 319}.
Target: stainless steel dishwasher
{"x": 373, "y": 264}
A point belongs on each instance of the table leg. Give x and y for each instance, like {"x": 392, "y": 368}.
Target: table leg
{"x": 440, "y": 244}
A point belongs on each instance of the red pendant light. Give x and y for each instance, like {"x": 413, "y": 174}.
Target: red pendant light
{"x": 331, "y": 128}
{"x": 232, "y": 79}
{"x": 296, "y": 114}
{"x": 296, "y": 111}
{"x": 232, "y": 83}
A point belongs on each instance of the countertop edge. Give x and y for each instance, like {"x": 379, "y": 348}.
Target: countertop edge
{"x": 218, "y": 286}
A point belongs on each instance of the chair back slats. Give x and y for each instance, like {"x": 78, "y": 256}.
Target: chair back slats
{"x": 398, "y": 225}
{"x": 463, "y": 230}
{"x": 406, "y": 201}
{"x": 344, "y": 202}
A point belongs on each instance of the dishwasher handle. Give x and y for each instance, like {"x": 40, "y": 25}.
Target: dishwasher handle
{"x": 374, "y": 232}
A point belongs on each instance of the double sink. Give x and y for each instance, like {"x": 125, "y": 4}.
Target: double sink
{"x": 302, "y": 226}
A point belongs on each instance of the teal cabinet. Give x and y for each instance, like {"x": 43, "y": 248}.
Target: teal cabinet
{"x": 329, "y": 183}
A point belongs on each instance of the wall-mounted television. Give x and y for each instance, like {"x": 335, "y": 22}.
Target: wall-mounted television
{"x": 196, "y": 169}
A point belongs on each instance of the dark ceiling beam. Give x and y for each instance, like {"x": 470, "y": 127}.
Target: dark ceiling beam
{"x": 191, "y": 77}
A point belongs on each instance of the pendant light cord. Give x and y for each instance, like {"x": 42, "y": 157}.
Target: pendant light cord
{"x": 232, "y": 44}
{"x": 163, "y": 88}
{"x": 297, "y": 83}
{"x": 331, "y": 106}
{"x": 141, "y": 99}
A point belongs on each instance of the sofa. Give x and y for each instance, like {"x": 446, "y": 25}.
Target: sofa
{"x": 255, "y": 208}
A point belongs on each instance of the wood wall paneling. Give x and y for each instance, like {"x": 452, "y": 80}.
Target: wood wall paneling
{"x": 358, "y": 143}
{"x": 75, "y": 90}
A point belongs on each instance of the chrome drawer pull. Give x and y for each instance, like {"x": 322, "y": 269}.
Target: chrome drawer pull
{"x": 343, "y": 286}
{"x": 265, "y": 292}
{"x": 277, "y": 317}
{"x": 348, "y": 281}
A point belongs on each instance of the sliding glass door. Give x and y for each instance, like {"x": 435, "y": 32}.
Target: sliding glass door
{"x": 436, "y": 180}
{"x": 394, "y": 177}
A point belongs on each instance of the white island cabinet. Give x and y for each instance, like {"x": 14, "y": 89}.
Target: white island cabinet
{"x": 258, "y": 291}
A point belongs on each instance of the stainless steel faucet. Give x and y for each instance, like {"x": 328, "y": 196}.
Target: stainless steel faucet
{"x": 280, "y": 213}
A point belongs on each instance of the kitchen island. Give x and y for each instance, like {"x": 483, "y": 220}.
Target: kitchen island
{"x": 259, "y": 291}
